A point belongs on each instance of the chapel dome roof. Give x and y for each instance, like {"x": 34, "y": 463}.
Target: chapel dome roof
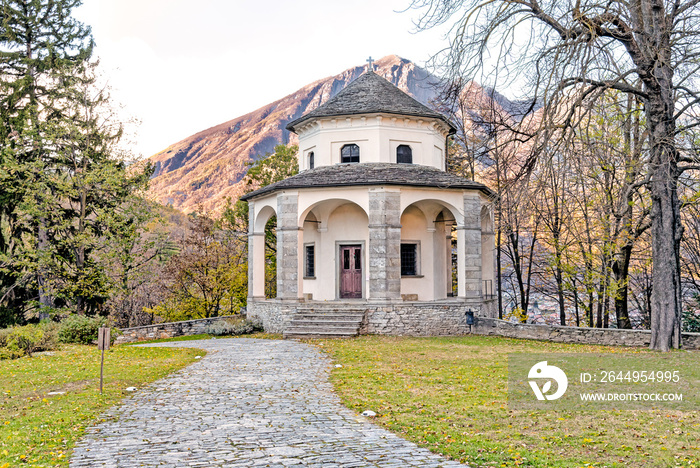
{"x": 369, "y": 94}
{"x": 365, "y": 174}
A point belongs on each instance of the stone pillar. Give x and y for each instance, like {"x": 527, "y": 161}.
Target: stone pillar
{"x": 384, "y": 244}
{"x": 488, "y": 252}
{"x": 256, "y": 258}
{"x": 469, "y": 248}
{"x": 256, "y": 265}
{"x": 448, "y": 260}
{"x": 288, "y": 233}
{"x": 251, "y": 250}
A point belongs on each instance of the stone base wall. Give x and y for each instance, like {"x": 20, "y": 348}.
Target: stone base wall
{"x": 490, "y": 308}
{"x": 167, "y": 330}
{"x": 381, "y": 318}
{"x": 596, "y": 336}
{"x": 448, "y": 318}
{"x": 418, "y": 318}
{"x": 275, "y": 315}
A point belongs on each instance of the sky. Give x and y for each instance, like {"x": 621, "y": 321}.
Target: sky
{"x": 182, "y": 66}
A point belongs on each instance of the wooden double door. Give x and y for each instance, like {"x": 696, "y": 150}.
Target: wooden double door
{"x": 350, "y": 272}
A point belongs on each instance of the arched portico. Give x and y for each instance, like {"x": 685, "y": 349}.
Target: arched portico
{"x": 426, "y": 251}
{"x": 404, "y": 242}
{"x": 332, "y": 230}
{"x": 257, "y": 220}
{"x": 386, "y": 249}
{"x": 488, "y": 257}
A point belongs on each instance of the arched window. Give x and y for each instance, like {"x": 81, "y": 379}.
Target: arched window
{"x": 350, "y": 154}
{"x": 311, "y": 160}
{"x": 404, "y": 154}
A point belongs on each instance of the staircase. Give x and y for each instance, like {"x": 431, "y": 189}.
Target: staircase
{"x": 325, "y": 323}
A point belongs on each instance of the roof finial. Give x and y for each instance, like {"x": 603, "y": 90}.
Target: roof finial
{"x": 370, "y": 68}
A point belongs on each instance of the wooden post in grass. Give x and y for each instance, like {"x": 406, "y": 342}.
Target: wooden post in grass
{"x": 103, "y": 339}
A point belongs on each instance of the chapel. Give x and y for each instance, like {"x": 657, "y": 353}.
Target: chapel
{"x": 373, "y": 235}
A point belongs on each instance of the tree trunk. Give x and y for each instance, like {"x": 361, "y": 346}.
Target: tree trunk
{"x": 80, "y": 251}
{"x": 45, "y": 299}
{"x": 576, "y": 311}
{"x": 666, "y": 233}
{"x": 560, "y": 293}
{"x": 620, "y": 269}
{"x": 517, "y": 267}
{"x": 602, "y": 292}
{"x": 666, "y": 228}
{"x": 498, "y": 274}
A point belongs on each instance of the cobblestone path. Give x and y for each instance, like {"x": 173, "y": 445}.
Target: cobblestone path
{"x": 247, "y": 403}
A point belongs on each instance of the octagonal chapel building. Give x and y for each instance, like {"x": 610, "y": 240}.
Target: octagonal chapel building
{"x": 366, "y": 231}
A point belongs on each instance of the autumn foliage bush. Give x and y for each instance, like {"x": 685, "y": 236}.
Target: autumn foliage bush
{"x": 233, "y": 327}
{"x": 80, "y": 329}
{"x": 18, "y": 341}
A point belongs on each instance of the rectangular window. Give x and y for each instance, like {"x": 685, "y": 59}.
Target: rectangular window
{"x": 310, "y": 262}
{"x": 409, "y": 259}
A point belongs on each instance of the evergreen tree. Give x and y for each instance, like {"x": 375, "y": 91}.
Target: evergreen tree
{"x": 60, "y": 163}
{"x": 38, "y": 40}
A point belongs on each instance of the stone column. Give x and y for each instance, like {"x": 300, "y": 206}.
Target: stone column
{"x": 288, "y": 233}
{"x": 488, "y": 251}
{"x": 469, "y": 248}
{"x": 256, "y": 265}
{"x": 256, "y": 258}
{"x": 384, "y": 244}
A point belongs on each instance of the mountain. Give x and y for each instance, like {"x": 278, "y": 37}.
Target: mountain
{"x": 206, "y": 168}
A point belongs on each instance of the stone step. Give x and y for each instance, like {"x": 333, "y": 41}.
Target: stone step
{"x": 327, "y": 318}
{"x": 330, "y": 312}
{"x": 319, "y": 330}
{"x": 313, "y": 326}
{"x": 326, "y": 323}
{"x": 316, "y": 335}
{"x": 321, "y": 322}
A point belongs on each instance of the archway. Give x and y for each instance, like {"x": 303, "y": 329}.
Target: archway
{"x": 262, "y": 257}
{"x": 329, "y": 229}
{"x": 427, "y": 257}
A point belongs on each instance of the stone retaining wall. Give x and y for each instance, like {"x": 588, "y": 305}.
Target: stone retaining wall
{"x": 381, "y": 318}
{"x": 447, "y": 318}
{"x": 418, "y": 318}
{"x": 167, "y": 330}
{"x": 275, "y": 315}
{"x": 604, "y": 336}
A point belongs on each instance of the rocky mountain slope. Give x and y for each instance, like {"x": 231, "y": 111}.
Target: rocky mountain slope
{"x": 205, "y": 168}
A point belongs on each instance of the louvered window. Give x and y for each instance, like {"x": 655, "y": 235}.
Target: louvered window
{"x": 310, "y": 270}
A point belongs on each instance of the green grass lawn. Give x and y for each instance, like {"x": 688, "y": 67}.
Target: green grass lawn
{"x": 37, "y": 429}
{"x": 449, "y": 395}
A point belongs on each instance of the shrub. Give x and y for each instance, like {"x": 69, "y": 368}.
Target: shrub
{"x": 15, "y": 342}
{"x": 6, "y": 353}
{"x": 80, "y": 329}
{"x": 25, "y": 340}
{"x": 232, "y": 327}
{"x": 50, "y": 340}
{"x": 4, "y": 333}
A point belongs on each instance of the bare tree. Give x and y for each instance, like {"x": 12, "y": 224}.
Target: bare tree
{"x": 575, "y": 50}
